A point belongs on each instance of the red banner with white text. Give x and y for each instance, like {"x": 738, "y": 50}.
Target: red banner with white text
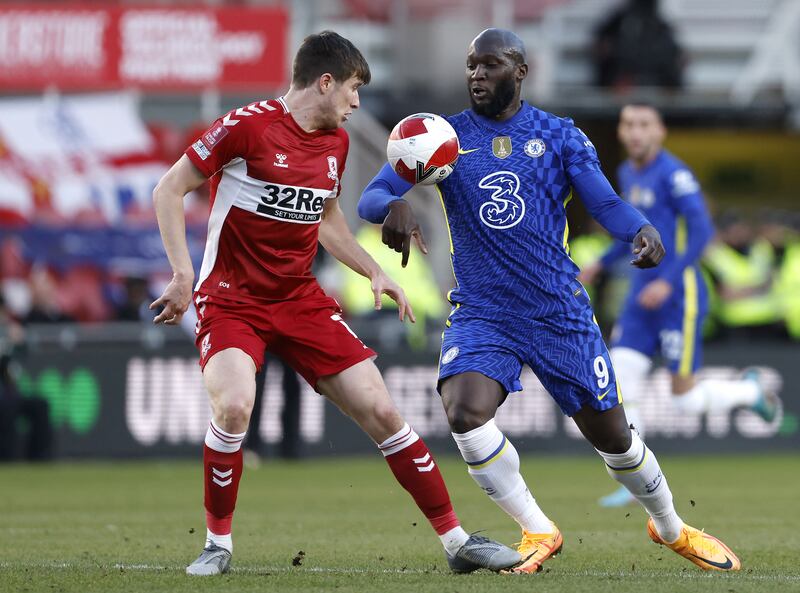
{"x": 91, "y": 47}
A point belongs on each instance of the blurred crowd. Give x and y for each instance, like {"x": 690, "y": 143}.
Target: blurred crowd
{"x": 752, "y": 268}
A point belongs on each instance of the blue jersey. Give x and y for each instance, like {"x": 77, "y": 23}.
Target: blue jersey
{"x": 667, "y": 193}
{"x": 505, "y": 203}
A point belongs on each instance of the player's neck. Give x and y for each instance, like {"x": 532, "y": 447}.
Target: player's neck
{"x": 646, "y": 159}
{"x": 509, "y": 111}
{"x": 304, "y": 107}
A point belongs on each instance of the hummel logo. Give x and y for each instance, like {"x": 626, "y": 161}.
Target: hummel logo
{"x": 281, "y": 160}
{"x": 218, "y": 474}
{"x": 467, "y": 151}
{"x": 420, "y": 461}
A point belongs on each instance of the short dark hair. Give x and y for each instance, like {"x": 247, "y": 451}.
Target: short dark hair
{"x": 643, "y": 103}
{"x": 328, "y": 52}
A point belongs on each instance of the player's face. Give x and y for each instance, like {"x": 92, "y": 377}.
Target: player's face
{"x": 342, "y": 100}
{"x": 491, "y": 80}
{"x": 641, "y": 132}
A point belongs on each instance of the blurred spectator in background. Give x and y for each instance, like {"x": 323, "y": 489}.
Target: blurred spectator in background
{"x": 417, "y": 280}
{"x": 45, "y": 307}
{"x": 741, "y": 265}
{"x": 137, "y": 299}
{"x": 777, "y": 230}
{"x": 636, "y": 47}
{"x": 34, "y": 411}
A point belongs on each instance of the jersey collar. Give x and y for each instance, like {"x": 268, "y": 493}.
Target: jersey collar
{"x": 498, "y": 125}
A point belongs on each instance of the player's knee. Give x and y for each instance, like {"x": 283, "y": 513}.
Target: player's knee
{"x": 615, "y": 442}
{"x": 233, "y": 414}
{"x": 386, "y": 415}
{"x": 463, "y": 418}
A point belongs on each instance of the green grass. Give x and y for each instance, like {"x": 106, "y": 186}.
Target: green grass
{"x": 110, "y": 527}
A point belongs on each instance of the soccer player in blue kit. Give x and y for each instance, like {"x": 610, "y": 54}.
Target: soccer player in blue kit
{"x": 517, "y": 300}
{"x": 665, "y": 307}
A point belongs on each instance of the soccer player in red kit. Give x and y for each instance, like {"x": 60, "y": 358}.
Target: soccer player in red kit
{"x": 275, "y": 168}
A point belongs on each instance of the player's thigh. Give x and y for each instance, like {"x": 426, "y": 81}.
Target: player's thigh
{"x": 359, "y": 391}
{"x": 638, "y": 329}
{"x": 569, "y": 356}
{"x": 231, "y": 350}
{"x": 477, "y": 345}
{"x": 229, "y": 377}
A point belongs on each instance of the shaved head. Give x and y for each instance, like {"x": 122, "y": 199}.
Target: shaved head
{"x": 500, "y": 41}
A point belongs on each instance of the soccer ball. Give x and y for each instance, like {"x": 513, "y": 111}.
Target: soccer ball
{"x": 423, "y": 148}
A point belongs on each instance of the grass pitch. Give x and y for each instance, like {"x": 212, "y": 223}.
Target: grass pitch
{"x": 108, "y": 527}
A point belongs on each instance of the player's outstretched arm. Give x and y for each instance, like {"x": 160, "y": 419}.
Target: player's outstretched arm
{"x": 382, "y": 202}
{"x": 168, "y": 196}
{"x": 336, "y": 238}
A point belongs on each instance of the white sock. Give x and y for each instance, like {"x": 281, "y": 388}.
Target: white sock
{"x": 224, "y": 442}
{"x": 637, "y": 469}
{"x": 223, "y": 541}
{"x": 453, "y": 540}
{"x": 494, "y": 464}
{"x": 715, "y": 395}
{"x": 403, "y": 438}
{"x": 631, "y": 368}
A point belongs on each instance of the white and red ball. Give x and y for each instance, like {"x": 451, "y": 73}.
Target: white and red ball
{"x": 423, "y": 148}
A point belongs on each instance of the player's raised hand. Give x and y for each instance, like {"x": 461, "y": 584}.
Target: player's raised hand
{"x": 399, "y": 227}
{"x": 382, "y": 284}
{"x": 175, "y": 299}
{"x": 647, "y": 247}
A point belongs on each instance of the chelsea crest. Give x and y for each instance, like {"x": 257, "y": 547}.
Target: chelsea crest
{"x": 534, "y": 148}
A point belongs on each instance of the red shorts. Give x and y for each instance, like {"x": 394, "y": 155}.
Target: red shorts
{"x": 308, "y": 333}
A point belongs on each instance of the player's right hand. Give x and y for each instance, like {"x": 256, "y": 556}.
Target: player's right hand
{"x": 175, "y": 299}
{"x": 399, "y": 227}
{"x": 647, "y": 247}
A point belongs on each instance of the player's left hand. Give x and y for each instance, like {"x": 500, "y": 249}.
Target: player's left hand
{"x": 382, "y": 284}
{"x": 647, "y": 247}
{"x": 655, "y": 294}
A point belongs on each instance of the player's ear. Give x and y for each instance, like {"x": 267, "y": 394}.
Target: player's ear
{"x": 325, "y": 83}
{"x": 522, "y": 71}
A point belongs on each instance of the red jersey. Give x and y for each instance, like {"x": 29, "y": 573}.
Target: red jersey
{"x": 269, "y": 182}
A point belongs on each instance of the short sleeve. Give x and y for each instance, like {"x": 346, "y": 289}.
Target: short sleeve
{"x": 580, "y": 154}
{"x": 218, "y": 146}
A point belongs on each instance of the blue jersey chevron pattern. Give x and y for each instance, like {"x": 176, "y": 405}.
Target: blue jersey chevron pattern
{"x": 517, "y": 300}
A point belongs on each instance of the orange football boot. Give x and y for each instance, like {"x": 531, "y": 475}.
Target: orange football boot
{"x": 704, "y": 550}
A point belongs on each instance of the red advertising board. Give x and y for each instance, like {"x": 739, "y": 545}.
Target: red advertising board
{"x": 89, "y": 46}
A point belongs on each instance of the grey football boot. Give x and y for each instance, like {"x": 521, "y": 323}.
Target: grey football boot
{"x": 213, "y": 560}
{"x": 481, "y": 552}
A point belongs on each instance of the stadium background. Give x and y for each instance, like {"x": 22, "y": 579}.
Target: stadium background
{"x": 99, "y": 99}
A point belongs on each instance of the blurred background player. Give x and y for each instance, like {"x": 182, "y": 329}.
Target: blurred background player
{"x": 275, "y": 167}
{"x": 666, "y": 306}
{"x": 517, "y": 300}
